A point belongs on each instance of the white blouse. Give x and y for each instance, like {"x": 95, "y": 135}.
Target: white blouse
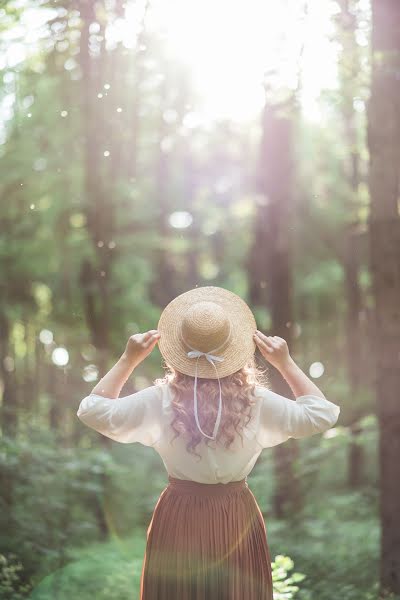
{"x": 145, "y": 417}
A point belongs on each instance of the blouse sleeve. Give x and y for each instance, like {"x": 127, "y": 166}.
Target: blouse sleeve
{"x": 281, "y": 418}
{"x": 134, "y": 418}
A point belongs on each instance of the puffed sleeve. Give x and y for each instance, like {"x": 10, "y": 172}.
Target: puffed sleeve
{"x": 134, "y": 418}
{"x": 281, "y": 418}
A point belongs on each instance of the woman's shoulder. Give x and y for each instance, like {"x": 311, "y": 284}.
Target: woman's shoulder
{"x": 163, "y": 391}
{"x": 261, "y": 391}
{"x": 269, "y": 401}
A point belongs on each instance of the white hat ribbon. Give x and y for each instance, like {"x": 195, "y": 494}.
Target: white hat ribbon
{"x": 211, "y": 359}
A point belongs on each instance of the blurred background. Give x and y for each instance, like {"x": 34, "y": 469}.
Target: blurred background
{"x": 148, "y": 147}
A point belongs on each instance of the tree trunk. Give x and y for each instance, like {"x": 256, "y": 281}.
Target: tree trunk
{"x": 270, "y": 273}
{"x": 349, "y": 69}
{"x": 7, "y": 374}
{"x": 100, "y": 221}
{"x": 9, "y": 416}
{"x": 354, "y": 354}
{"x": 384, "y": 224}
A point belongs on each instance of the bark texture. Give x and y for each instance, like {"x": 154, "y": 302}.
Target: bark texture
{"x": 384, "y": 148}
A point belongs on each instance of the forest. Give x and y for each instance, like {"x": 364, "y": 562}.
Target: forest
{"x": 149, "y": 147}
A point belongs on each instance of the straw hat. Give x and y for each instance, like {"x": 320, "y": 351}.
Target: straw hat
{"x": 211, "y": 324}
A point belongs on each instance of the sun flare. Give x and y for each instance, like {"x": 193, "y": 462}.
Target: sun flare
{"x": 229, "y": 48}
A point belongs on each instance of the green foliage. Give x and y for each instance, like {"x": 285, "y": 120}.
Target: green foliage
{"x": 57, "y": 492}
{"x": 285, "y": 586}
{"x": 45, "y": 479}
{"x": 108, "y": 570}
{"x": 336, "y": 545}
{"x": 11, "y": 586}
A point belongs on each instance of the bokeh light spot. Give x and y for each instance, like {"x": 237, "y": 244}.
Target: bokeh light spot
{"x": 316, "y": 370}
{"x": 180, "y": 219}
{"x": 60, "y": 356}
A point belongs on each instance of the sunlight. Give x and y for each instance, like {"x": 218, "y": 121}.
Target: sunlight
{"x": 229, "y": 47}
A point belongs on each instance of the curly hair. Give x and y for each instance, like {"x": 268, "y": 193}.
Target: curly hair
{"x": 238, "y": 394}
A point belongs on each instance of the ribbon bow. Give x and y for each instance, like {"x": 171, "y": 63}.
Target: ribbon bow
{"x": 211, "y": 359}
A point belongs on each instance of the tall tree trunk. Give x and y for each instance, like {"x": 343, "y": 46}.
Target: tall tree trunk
{"x": 384, "y": 224}
{"x": 8, "y": 408}
{"x": 354, "y": 353}
{"x": 349, "y": 69}
{"x": 99, "y": 207}
{"x": 7, "y": 374}
{"x": 270, "y": 262}
{"x": 100, "y": 220}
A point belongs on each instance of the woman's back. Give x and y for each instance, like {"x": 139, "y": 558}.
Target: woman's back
{"x": 146, "y": 417}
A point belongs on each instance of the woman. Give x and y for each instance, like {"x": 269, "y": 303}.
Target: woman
{"x": 209, "y": 419}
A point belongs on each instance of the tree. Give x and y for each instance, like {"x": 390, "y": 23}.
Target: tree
{"x": 384, "y": 227}
{"x": 351, "y": 251}
{"x": 270, "y": 267}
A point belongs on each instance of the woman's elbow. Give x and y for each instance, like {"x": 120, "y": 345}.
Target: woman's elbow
{"x": 330, "y": 419}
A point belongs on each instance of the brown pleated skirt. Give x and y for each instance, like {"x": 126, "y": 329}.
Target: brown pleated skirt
{"x": 206, "y": 541}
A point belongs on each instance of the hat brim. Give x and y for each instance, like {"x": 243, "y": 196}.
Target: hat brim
{"x": 241, "y": 347}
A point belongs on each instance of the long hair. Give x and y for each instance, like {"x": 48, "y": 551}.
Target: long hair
{"x": 238, "y": 399}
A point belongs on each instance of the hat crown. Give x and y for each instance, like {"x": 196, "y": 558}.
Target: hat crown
{"x": 205, "y": 327}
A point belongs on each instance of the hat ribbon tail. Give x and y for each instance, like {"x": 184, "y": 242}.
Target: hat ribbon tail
{"x": 211, "y": 359}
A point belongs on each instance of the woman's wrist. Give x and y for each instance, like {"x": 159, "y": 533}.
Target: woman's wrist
{"x": 127, "y": 362}
{"x": 111, "y": 384}
{"x": 298, "y": 381}
{"x": 287, "y": 367}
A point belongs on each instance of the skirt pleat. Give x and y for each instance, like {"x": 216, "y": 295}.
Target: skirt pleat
{"x": 206, "y": 541}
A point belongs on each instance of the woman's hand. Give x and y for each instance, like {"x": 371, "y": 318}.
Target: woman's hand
{"x": 140, "y": 345}
{"x": 137, "y": 348}
{"x": 274, "y": 349}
